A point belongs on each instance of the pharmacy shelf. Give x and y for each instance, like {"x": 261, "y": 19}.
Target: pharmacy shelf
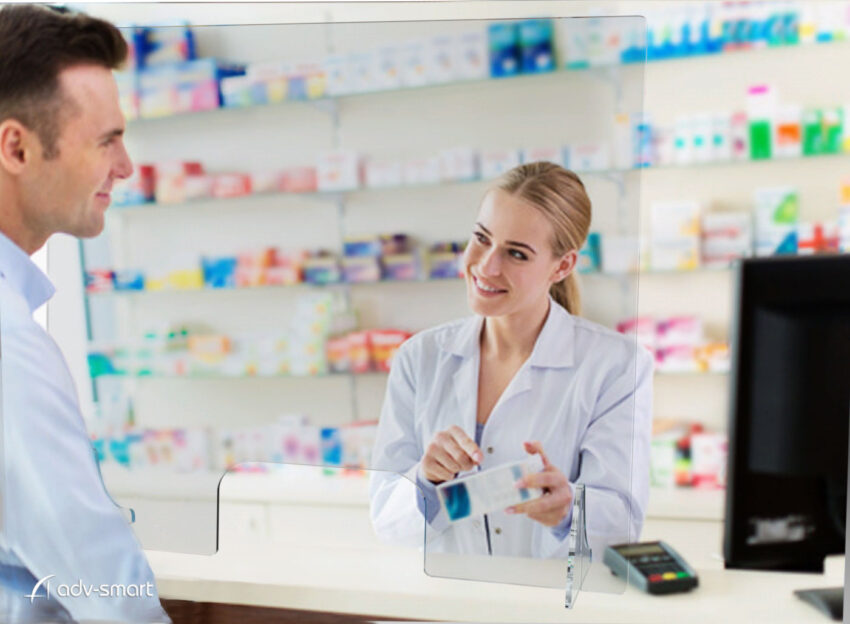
{"x": 337, "y": 196}
{"x": 300, "y": 485}
{"x": 328, "y": 103}
{"x": 220, "y": 376}
{"x": 303, "y": 286}
{"x": 603, "y": 72}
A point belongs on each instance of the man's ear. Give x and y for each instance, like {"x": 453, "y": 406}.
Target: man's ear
{"x": 566, "y": 265}
{"x": 16, "y": 146}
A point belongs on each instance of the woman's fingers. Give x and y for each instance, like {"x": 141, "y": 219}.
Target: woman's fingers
{"x": 466, "y": 443}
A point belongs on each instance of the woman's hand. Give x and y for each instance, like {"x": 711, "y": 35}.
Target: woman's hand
{"x": 551, "y": 508}
{"x": 450, "y": 452}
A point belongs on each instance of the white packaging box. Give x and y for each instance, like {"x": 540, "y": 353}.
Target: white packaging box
{"x": 721, "y": 137}
{"x": 678, "y": 331}
{"x": 472, "y": 60}
{"x": 383, "y": 173}
{"x": 662, "y": 461}
{"x": 702, "y": 130}
{"x": 844, "y": 227}
{"x": 413, "y": 63}
{"x": 547, "y": 154}
{"x": 440, "y": 59}
{"x": 620, "y": 254}
{"x": 683, "y": 142}
{"x": 675, "y": 255}
{"x": 675, "y": 220}
{"x": 708, "y": 460}
{"x": 719, "y": 253}
{"x": 363, "y": 77}
{"x": 495, "y": 162}
{"x": 663, "y": 146}
{"x": 387, "y": 69}
{"x": 422, "y": 170}
{"x": 730, "y": 226}
{"x": 338, "y": 170}
{"x": 593, "y": 156}
{"x": 459, "y": 163}
{"x": 773, "y": 240}
{"x": 489, "y": 490}
{"x": 776, "y": 207}
{"x": 338, "y": 80}
{"x": 624, "y": 150}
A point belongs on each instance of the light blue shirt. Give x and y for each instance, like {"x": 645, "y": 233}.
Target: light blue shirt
{"x": 57, "y": 517}
{"x": 585, "y": 392}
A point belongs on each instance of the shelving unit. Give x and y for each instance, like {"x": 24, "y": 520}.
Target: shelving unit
{"x": 354, "y": 121}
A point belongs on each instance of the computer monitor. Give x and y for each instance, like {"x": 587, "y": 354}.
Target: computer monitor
{"x": 789, "y": 413}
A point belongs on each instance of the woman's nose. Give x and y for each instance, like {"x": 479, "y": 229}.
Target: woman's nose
{"x": 490, "y": 264}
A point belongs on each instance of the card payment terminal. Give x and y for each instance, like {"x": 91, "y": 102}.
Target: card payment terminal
{"x": 653, "y": 567}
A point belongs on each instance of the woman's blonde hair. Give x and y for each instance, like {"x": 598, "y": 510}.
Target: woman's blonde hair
{"x": 560, "y": 196}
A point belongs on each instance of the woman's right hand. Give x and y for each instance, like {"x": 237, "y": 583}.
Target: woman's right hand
{"x": 450, "y": 452}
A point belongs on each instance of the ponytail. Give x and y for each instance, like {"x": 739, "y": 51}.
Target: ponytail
{"x": 566, "y": 293}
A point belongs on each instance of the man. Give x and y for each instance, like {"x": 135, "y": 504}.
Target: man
{"x": 61, "y": 151}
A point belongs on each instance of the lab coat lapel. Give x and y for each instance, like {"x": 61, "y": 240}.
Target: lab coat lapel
{"x": 466, "y": 391}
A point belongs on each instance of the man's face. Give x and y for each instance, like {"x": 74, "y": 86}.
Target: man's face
{"x": 71, "y": 192}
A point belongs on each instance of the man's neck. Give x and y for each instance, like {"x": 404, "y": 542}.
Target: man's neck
{"x": 16, "y": 230}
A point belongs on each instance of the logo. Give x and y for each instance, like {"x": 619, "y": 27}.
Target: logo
{"x": 35, "y": 595}
{"x": 104, "y": 590}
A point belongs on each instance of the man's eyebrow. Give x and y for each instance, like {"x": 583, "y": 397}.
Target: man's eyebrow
{"x": 111, "y": 134}
{"x": 514, "y": 243}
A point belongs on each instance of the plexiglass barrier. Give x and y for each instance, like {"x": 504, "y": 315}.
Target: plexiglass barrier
{"x": 294, "y": 217}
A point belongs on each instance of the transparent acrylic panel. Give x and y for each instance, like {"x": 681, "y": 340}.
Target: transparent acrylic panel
{"x": 250, "y": 313}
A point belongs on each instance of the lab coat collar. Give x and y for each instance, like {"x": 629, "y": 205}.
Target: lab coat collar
{"x": 554, "y": 348}
{"x": 22, "y": 274}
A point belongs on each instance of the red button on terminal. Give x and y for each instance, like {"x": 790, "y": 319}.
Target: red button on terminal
{"x": 655, "y": 578}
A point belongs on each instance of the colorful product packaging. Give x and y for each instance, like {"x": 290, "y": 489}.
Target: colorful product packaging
{"x": 383, "y": 345}
{"x": 589, "y": 254}
{"x": 459, "y": 164}
{"x": 495, "y": 162}
{"x": 504, "y": 49}
{"x": 777, "y": 211}
{"x": 543, "y": 154}
{"x": 472, "y": 56}
{"x": 338, "y": 170}
{"x": 725, "y": 237}
{"x": 536, "y": 46}
{"x": 813, "y": 238}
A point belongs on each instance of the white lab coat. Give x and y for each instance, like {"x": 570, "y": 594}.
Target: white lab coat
{"x": 585, "y": 393}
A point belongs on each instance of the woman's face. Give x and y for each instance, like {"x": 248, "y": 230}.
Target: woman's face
{"x": 509, "y": 263}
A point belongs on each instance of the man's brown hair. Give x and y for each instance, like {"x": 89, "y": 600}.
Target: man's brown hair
{"x": 36, "y": 44}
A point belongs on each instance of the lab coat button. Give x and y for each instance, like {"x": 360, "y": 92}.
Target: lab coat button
{"x": 498, "y": 531}
{"x": 490, "y": 450}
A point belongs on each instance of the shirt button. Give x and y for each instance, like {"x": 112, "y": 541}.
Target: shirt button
{"x": 490, "y": 450}
{"x": 498, "y": 531}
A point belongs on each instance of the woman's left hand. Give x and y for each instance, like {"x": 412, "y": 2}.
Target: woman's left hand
{"x": 551, "y": 508}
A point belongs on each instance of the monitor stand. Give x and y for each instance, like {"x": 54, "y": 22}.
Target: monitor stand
{"x": 830, "y": 600}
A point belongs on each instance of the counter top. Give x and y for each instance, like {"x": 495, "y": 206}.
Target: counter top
{"x": 390, "y": 582}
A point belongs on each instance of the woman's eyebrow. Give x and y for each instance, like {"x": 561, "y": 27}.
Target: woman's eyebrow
{"x": 512, "y": 243}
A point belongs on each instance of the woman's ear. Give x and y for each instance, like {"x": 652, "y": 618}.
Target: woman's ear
{"x": 566, "y": 265}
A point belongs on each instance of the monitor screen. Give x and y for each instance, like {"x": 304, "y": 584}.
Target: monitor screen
{"x": 790, "y": 407}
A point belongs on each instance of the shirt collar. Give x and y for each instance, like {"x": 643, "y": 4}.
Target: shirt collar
{"x": 22, "y": 274}
{"x": 554, "y": 347}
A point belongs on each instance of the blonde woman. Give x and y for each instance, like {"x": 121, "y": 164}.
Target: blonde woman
{"x": 524, "y": 375}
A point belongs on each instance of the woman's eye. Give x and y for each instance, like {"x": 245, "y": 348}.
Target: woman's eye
{"x": 480, "y": 237}
{"x": 518, "y": 254}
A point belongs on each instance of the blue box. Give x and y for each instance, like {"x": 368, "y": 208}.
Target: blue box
{"x": 504, "y": 49}
{"x": 536, "y": 46}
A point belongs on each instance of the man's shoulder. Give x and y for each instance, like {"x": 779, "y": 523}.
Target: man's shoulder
{"x": 14, "y": 310}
